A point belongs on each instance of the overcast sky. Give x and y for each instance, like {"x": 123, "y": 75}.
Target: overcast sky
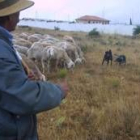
{"x": 117, "y": 11}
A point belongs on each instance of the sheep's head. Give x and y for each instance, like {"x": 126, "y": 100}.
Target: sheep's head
{"x": 78, "y": 61}
{"x": 70, "y": 64}
{"x": 43, "y": 77}
{"x": 83, "y": 60}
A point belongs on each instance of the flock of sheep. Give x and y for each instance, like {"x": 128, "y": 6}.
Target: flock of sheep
{"x": 46, "y": 49}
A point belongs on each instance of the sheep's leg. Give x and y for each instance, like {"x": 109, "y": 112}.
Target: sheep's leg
{"x": 48, "y": 66}
{"x": 76, "y": 55}
{"x": 43, "y": 66}
{"x": 36, "y": 61}
{"x": 64, "y": 64}
{"x": 56, "y": 65}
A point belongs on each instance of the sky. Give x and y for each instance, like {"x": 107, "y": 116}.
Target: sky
{"x": 117, "y": 11}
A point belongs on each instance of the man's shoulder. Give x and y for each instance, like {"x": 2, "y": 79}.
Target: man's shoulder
{"x": 5, "y": 49}
{"x": 3, "y": 43}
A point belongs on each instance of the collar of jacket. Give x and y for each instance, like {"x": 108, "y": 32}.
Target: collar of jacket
{"x": 5, "y": 34}
{"x": 7, "y": 37}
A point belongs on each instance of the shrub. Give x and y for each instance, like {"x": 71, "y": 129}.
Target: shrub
{"x": 62, "y": 73}
{"x": 94, "y": 32}
{"x": 136, "y": 30}
{"x": 56, "y": 28}
{"x": 115, "y": 83}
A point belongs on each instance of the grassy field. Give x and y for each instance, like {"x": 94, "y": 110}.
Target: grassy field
{"x": 104, "y": 101}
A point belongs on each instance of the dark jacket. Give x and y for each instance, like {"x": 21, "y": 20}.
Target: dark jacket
{"x": 20, "y": 98}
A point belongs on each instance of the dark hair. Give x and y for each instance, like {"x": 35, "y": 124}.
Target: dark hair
{"x": 3, "y": 20}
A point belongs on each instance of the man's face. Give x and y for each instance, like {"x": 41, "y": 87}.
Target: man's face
{"x": 14, "y": 19}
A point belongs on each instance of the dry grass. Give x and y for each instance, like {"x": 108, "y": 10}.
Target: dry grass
{"x": 103, "y": 101}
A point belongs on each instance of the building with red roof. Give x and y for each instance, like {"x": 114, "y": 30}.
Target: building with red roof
{"x": 92, "y": 19}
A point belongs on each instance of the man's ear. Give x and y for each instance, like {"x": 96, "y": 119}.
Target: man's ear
{"x": 10, "y": 18}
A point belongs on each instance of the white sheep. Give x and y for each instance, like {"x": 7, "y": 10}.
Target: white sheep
{"x": 35, "y": 52}
{"x": 22, "y": 42}
{"x": 35, "y": 37}
{"x": 31, "y": 67}
{"x": 45, "y": 42}
{"x": 50, "y": 38}
{"x": 24, "y": 36}
{"x": 70, "y": 39}
{"x": 71, "y": 51}
{"x": 21, "y": 49}
{"x": 53, "y": 53}
{"x": 81, "y": 54}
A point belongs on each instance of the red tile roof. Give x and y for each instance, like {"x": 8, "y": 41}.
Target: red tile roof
{"x": 91, "y": 18}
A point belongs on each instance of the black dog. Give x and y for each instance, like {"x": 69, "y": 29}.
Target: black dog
{"x": 121, "y": 59}
{"x": 107, "y": 57}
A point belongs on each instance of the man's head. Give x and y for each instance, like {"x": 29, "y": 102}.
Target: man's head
{"x": 10, "y": 10}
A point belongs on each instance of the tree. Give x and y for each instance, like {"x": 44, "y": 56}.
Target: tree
{"x": 136, "y": 30}
{"x": 130, "y": 22}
